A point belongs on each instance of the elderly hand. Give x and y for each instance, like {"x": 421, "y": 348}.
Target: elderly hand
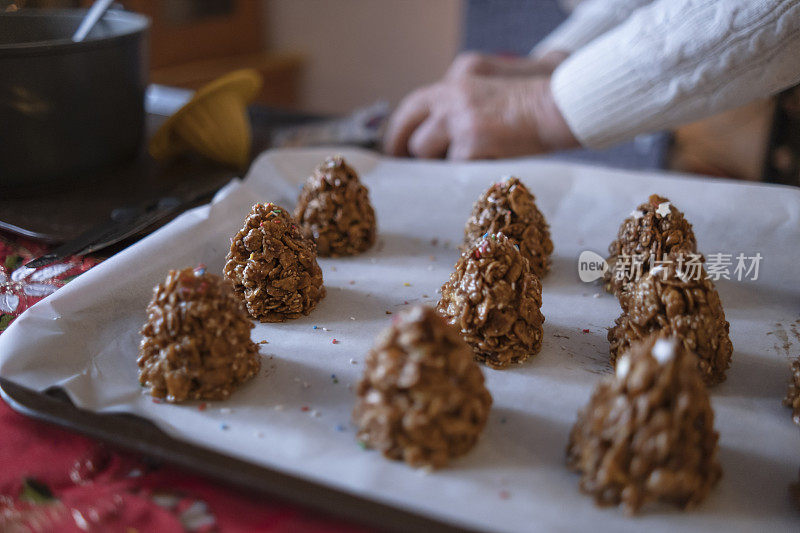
{"x": 478, "y": 118}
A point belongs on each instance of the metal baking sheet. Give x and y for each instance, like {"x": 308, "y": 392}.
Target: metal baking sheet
{"x": 294, "y": 417}
{"x": 137, "y": 435}
{"x": 60, "y": 211}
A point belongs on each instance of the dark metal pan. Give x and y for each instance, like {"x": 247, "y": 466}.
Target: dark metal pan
{"x": 69, "y": 109}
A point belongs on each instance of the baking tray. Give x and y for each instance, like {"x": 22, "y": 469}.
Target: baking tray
{"x": 515, "y": 478}
{"x": 60, "y": 211}
{"x": 138, "y": 435}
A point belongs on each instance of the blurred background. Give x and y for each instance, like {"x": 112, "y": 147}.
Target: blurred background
{"x": 316, "y": 55}
{"x": 331, "y": 57}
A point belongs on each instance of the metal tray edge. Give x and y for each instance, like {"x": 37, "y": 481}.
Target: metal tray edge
{"x": 138, "y": 435}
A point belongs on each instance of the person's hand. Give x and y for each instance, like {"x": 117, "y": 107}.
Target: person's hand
{"x": 478, "y": 118}
{"x": 479, "y": 64}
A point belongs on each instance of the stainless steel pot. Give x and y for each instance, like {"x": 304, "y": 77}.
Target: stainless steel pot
{"x": 69, "y": 109}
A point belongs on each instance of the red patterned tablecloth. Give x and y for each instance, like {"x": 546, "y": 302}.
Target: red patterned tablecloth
{"x": 54, "y": 480}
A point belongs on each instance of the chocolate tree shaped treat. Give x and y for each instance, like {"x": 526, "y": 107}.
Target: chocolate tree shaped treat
{"x": 650, "y": 232}
{"x": 647, "y": 433}
{"x": 422, "y": 398}
{"x": 273, "y": 266}
{"x": 494, "y": 300}
{"x": 675, "y": 301}
{"x": 508, "y": 207}
{"x": 334, "y": 208}
{"x": 196, "y": 340}
{"x": 792, "y": 398}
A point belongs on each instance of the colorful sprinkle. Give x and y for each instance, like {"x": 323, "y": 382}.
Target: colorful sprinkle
{"x": 314, "y": 327}
{"x": 305, "y": 408}
{"x": 362, "y": 445}
{"x": 200, "y": 269}
{"x": 202, "y": 406}
{"x": 586, "y": 331}
{"x": 158, "y": 400}
{"x": 340, "y": 427}
{"x": 224, "y": 427}
{"x": 334, "y": 341}
{"x": 406, "y": 284}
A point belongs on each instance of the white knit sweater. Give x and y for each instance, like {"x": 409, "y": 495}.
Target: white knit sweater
{"x": 639, "y": 66}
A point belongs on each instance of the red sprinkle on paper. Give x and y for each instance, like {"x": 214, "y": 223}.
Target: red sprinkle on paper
{"x": 202, "y": 406}
{"x": 304, "y": 408}
{"x": 586, "y": 331}
{"x": 334, "y": 341}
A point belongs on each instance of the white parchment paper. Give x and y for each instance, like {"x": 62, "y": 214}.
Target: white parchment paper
{"x": 295, "y": 415}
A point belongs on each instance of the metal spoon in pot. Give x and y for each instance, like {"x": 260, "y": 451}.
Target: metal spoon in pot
{"x": 95, "y": 13}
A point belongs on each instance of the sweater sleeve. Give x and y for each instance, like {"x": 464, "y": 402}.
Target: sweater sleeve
{"x": 676, "y": 61}
{"x": 589, "y": 19}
